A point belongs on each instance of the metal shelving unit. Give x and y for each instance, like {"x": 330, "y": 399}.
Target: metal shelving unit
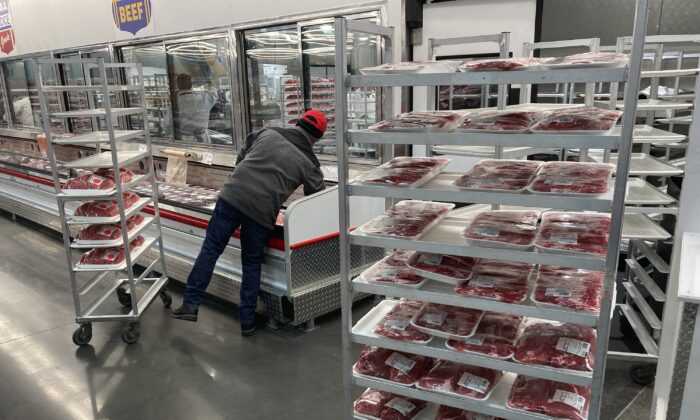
{"x": 108, "y": 279}
{"x": 445, "y": 237}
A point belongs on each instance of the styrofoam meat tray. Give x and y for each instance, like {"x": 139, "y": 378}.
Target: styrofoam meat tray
{"x": 88, "y": 193}
{"x": 113, "y": 219}
{"x": 413, "y": 238}
{"x": 476, "y": 353}
{"x": 605, "y": 65}
{"x": 118, "y": 242}
{"x": 576, "y": 132}
{"x": 547, "y": 305}
{"x": 496, "y": 244}
{"x": 362, "y": 277}
{"x": 374, "y": 378}
{"x": 433, "y": 276}
{"x": 369, "y": 322}
{"x": 560, "y": 194}
{"x": 446, "y": 66}
{"x": 135, "y": 254}
{"x": 468, "y": 397}
{"x": 442, "y": 334}
{"x": 428, "y": 176}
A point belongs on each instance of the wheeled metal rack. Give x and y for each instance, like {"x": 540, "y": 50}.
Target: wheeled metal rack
{"x": 445, "y": 237}
{"x": 109, "y": 278}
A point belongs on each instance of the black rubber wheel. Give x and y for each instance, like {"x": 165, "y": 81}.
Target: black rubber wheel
{"x": 643, "y": 374}
{"x": 124, "y": 297}
{"x": 166, "y": 298}
{"x": 131, "y": 333}
{"x": 82, "y": 335}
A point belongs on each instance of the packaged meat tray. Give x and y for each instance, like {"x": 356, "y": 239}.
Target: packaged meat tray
{"x": 125, "y": 175}
{"x": 87, "y": 184}
{"x": 577, "y": 120}
{"x": 393, "y": 269}
{"x": 107, "y": 234}
{"x": 499, "y": 122}
{"x": 419, "y": 122}
{"x": 392, "y": 366}
{"x": 408, "y": 219}
{"x": 553, "y": 399}
{"x": 459, "y": 379}
{"x": 507, "y": 229}
{"x": 449, "y": 269}
{"x": 397, "y": 324}
{"x": 499, "y": 175}
{"x": 572, "y": 178}
{"x": 490, "y": 64}
{"x": 449, "y": 322}
{"x": 445, "y": 412}
{"x": 589, "y": 59}
{"x": 574, "y": 232}
{"x": 446, "y": 66}
{"x": 559, "y": 345}
{"x": 108, "y": 258}
{"x": 380, "y": 405}
{"x": 504, "y": 281}
{"x": 404, "y": 172}
{"x": 495, "y": 336}
{"x": 571, "y": 288}
{"x": 104, "y": 208}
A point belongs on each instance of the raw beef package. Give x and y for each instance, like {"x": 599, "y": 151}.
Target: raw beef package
{"x": 89, "y": 182}
{"x": 126, "y": 175}
{"x": 572, "y": 288}
{"x": 503, "y": 229}
{"x": 394, "y": 366}
{"x": 464, "y": 380}
{"x": 495, "y": 336}
{"x": 404, "y": 172}
{"x": 393, "y": 269}
{"x": 108, "y": 208}
{"x": 500, "y": 121}
{"x": 108, "y": 232}
{"x": 501, "y": 64}
{"x": 553, "y": 399}
{"x": 445, "y": 268}
{"x": 499, "y": 174}
{"x": 577, "y": 119}
{"x": 574, "y": 232}
{"x": 419, "y": 121}
{"x": 447, "y": 321}
{"x": 445, "y": 412}
{"x": 572, "y": 178}
{"x": 592, "y": 58}
{"x": 559, "y": 345}
{"x": 109, "y": 256}
{"x": 397, "y": 323}
{"x": 407, "y": 219}
{"x": 387, "y": 406}
{"x": 504, "y": 281}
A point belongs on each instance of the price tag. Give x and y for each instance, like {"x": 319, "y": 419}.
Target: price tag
{"x": 143, "y": 147}
{"x": 558, "y": 292}
{"x": 401, "y": 256}
{"x": 400, "y": 362}
{"x": 384, "y": 222}
{"x": 564, "y": 239}
{"x": 207, "y": 158}
{"x": 95, "y": 180}
{"x": 483, "y": 181}
{"x": 476, "y": 340}
{"x": 481, "y": 282}
{"x": 483, "y": 122}
{"x": 490, "y": 232}
{"x": 402, "y": 406}
{"x": 481, "y": 416}
{"x": 397, "y": 324}
{"x": 566, "y": 182}
{"x": 573, "y": 346}
{"x": 435, "y": 318}
{"x": 430, "y": 259}
{"x": 110, "y": 255}
{"x": 388, "y": 273}
{"x": 105, "y": 230}
{"x": 473, "y": 382}
{"x": 570, "y": 399}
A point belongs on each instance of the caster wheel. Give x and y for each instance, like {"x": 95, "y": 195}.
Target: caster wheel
{"x": 167, "y": 298}
{"x": 643, "y": 374}
{"x": 131, "y": 334}
{"x": 82, "y": 335}
{"x": 124, "y": 297}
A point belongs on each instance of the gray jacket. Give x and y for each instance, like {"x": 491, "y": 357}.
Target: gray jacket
{"x": 272, "y": 164}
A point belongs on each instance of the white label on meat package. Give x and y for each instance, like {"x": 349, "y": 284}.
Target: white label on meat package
{"x": 482, "y": 181}
{"x": 483, "y": 123}
{"x": 105, "y": 230}
{"x": 481, "y": 282}
{"x": 402, "y": 406}
{"x": 143, "y": 147}
{"x": 400, "y": 362}
{"x": 569, "y": 398}
{"x": 566, "y": 182}
{"x": 476, "y": 339}
{"x": 491, "y": 232}
{"x": 384, "y": 223}
{"x": 558, "y": 292}
{"x": 573, "y": 346}
{"x": 473, "y": 382}
{"x": 564, "y": 239}
{"x": 434, "y": 318}
{"x": 430, "y": 259}
{"x": 207, "y": 158}
{"x": 110, "y": 255}
{"x": 397, "y": 324}
{"x": 564, "y": 118}
{"x": 387, "y": 273}
{"x": 95, "y": 180}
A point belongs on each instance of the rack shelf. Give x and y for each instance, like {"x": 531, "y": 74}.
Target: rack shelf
{"x": 84, "y": 195}
{"x": 646, "y": 134}
{"x": 98, "y": 88}
{"x": 135, "y": 254}
{"x": 147, "y": 221}
{"x": 97, "y": 113}
{"x": 641, "y": 227}
{"x": 642, "y": 193}
{"x": 81, "y": 220}
{"x": 641, "y": 164}
{"x": 96, "y": 137}
{"x": 104, "y": 160}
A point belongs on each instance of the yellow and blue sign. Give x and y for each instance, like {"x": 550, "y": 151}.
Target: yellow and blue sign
{"x": 131, "y": 15}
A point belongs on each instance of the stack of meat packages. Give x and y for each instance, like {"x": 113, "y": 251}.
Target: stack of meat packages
{"x": 503, "y": 229}
{"x": 499, "y": 174}
{"x": 499, "y": 121}
{"x": 102, "y": 179}
{"x": 578, "y": 118}
{"x": 563, "y": 232}
{"x": 503, "y": 281}
{"x": 460, "y": 380}
{"x": 553, "y": 399}
{"x": 404, "y": 172}
{"x": 571, "y": 288}
{"x": 374, "y": 404}
{"x": 408, "y": 219}
{"x": 420, "y": 121}
{"x": 394, "y": 269}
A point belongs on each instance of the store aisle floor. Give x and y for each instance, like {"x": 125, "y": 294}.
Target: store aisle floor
{"x": 178, "y": 369}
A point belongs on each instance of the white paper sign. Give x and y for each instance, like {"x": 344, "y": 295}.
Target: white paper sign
{"x": 573, "y": 346}
{"x": 208, "y": 158}
{"x": 570, "y": 399}
{"x": 473, "y": 382}
{"x": 143, "y": 147}
{"x": 402, "y": 406}
{"x": 400, "y": 362}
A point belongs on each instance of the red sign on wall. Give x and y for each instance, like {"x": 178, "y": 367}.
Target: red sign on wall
{"x": 7, "y": 35}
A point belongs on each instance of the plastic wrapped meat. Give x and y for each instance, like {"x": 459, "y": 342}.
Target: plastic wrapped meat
{"x": 408, "y": 219}
{"x": 402, "y": 408}
{"x": 89, "y": 182}
{"x": 605, "y": 58}
{"x": 495, "y": 336}
{"x": 456, "y": 378}
{"x": 109, "y": 256}
{"x": 505, "y": 121}
{"x": 572, "y": 178}
{"x": 499, "y": 174}
{"x": 559, "y": 345}
{"x": 572, "y": 288}
{"x": 445, "y": 412}
{"x": 578, "y": 119}
{"x": 445, "y": 66}
{"x": 554, "y": 399}
{"x": 575, "y": 232}
{"x": 371, "y": 402}
{"x": 397, "y": 323}
{"x": 107, "y": 232}
{"x": 393, "y": 269}
{"x": 419, "y": 121}
{"x": 105, "y": 208}
{"x": 503, "y": 281}
{"x": 401, "y": 368}
{"x": 443, "y": 267}
{"x": 501, "y": 64}
{"x": 447, "y": 321}
{"x": 126, "y": 175}
{"x": 503, "y": 228}
{"x": 404, "y": 171}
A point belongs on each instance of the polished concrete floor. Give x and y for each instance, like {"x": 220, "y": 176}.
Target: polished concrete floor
{"x": 177, "y": 370}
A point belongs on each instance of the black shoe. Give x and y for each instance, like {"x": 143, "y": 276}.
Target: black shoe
{"x": 248, "y": 329}
{"x": 183, "y": 312}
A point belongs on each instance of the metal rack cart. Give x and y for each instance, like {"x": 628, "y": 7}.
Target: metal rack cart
{"x": 445, "y": 237}
{"x": 110, "y": 277}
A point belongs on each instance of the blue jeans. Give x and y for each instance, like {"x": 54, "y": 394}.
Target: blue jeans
{"x": 225, "y": 220}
